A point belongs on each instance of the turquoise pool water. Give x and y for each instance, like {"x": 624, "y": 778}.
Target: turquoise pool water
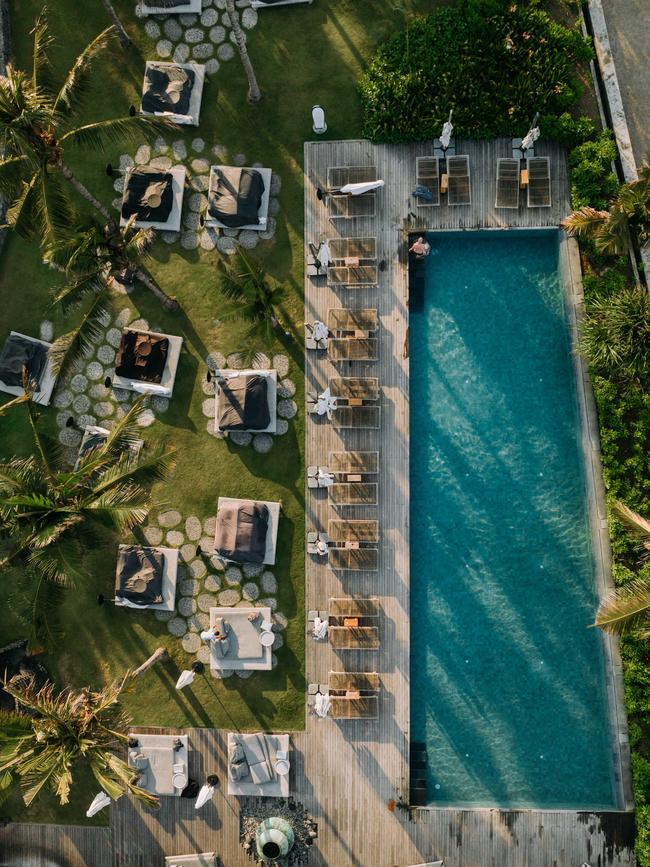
{"x": 508, "y": 685}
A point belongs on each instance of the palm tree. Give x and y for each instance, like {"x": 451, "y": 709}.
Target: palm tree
{"x": 253, "y": 299}
{"x": 38, "y": 124}
{"x": 58, "y": 731}
{"x": 48, "y": 515}
{"x": 96, "y": 256}
{"x": 123, "y": 36}
{"x": 627, "y": 608}
{"x": 610, "y": 230}
{"x": 254, "y": 93}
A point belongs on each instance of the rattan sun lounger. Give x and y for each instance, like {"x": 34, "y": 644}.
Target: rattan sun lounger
{"x": 346, "y": 207}
{"x": 353, "y": 462}
{"x": 349, "y": 707}
{"x": 364, "y": 681}
{"x": 355, "y": 638}
{"x": 458, "y": 190}
{"x": 358, "y": 417}
{"x": 352, "y": 275}
{"x": 350, "y": 606}
{"x": 426, "y": 171}
{"x": 352, "y": 532}
{"x": 354, "y": 387}
{"x": 359, "y": 322}
{"x": 353, "y": 494}
{"x": 354, "y": 559}
{"x": 507, "y": 183}
{"x": 353, "y": 348}
{"x": 364, "y": 249}
{"x": 539, "y": 182}
{"x": 339, "y": 176}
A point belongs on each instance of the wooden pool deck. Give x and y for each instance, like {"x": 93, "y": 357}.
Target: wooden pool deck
{"x": 347, "y": 772}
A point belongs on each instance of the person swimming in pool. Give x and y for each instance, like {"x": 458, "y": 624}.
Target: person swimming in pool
{"x": 420, "y": 247}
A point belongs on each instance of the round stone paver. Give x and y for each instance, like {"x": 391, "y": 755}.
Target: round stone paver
{"x": 62, "y": 398}
{"x": 196, "y": 202}
{"x": 191, "y": 642}
{"x": 79, "y": 383}
{"x": 189, "y": 587}
{"x": 212, "y": 66}
{"x": 229, "y": 598}
{"x": 203, "y": 655}
{"x": 233, "y": 575}
{"x": 152, "y": 29}
{"x": 263, "y": 443}
{"x": 212, "y": 583}
{"x": 177, "y": 626}
{"x": 252, "y": 570}
{"x": 267, "y": 603}
{"x": 208, "y": 408}
{"x": 281, "y": 364}
{"x": 244, "y": 674}
{"x": 281, "y": 427}
{"x": 181, "y": 53}
{"x": 114, "y": 335}
{"x": 250, "y": 591}
{"x": 69, "y": 437}
{"x": 206, "y": 601}
{"x": 163, "y": 615}
{"x": 104, "y": 408}
{"x": 215, "y": 361}
{"x": 278, "y": 641}
{"x": 197, "y": 621}
{"x": 46, "y": 330}
{"x": 280, "y": 620}
{"x": 249, "y": 18}
{"x": 163, "y": 163}
{"x": 189, "y": 240}
{"x": 99, "y": 391}
{"x": 175, "y": 539}
{"x": 163, "y": 49}
{"x": 269, "y": 232}
{"x": 286, "y": 388}
{"x": 269, "y": 582}
{"x": 81, "y": 404}
{"x": 139, "y": 325}
{"x": 206, "y": 544}
{"x": 287, "y": 408}
{"x": 153, "y": 535}
{"x": 200, "y": 183}
{"x": 193, "y": 528}
{"x": 226, "y": 245}
{"x": 173, "y": 29}
{"x": 241, "y": 438}
{"x": 248, "y": 239}
{"x": 209, "y": 17}
{"x": 197, "y": 568}
{"x": 209, "y": 526}
{"x": 143, "y": 153}
{"x": 186, "y": 606}
{"x": 194, "y": 35}
{"x": 106, "y": 354}
{"x": 217, "y": 563}
{"x": 203, "y": 50}
{"x": 86, "y": 421}
{"x": 225, "y": 51}
{"x": 159, "y": 403}
{"x": 217, "y": 35}
{"x": 188, "y": 552}
{"x": 234, "y": 360}
{"x": 179, "y": 150}
{"x": 199, "y": 164}
{"x": 276, "y": 184}
{"x": 146, "y": 418}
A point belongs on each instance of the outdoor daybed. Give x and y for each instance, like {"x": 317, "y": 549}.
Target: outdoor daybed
{"x": 30, "y": 354}
{"x": 146, "y": 577}
{"x": 173, "y": 90}
{"x": 247, "y": 530}
{"x": 147, "y": 362}
{"x": 243, "y": 639}
{"x": 170, "y": 7}
{"x": 245, "y": 400}
{"x": 154, "y": 197}
{"x": 238, "y": 198}
{"x": 258, "y": 765}
{"x": 160, "y": 762}
{"x": 205, "y": 859}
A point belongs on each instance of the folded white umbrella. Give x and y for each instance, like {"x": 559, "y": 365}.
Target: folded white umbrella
{"x": 530, "y": 138}
{"x": 322, "y": 705}
{"x": 359, "y": 189}
{"x": 98, "y": 803}
{"x": 320, "y": 629}
{"x": 324, "y": 254}
{"x": 185, "y": 679}
{"x": 320, "y": 331}
{"x": 205, "y": 794}
{"x": 445, "y": 137}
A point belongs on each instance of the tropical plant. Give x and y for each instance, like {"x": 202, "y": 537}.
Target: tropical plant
{"x": 615, "y": 335}
{"x": 125, "y": 39}
{"x": 56, "y": 732}
{"x": 254, "y": 92}
{"x": 593, "y": 183}
{"x": 39, "y": 122}
{"x": 628, "y": 212}
{"x": 253, "y": 298}
{"x": 627, "y": 608}
{"x": 48, "y": 515}
{"x": 93, "y": 257}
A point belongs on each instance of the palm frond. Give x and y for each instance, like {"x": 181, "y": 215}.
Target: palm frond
{"x": 52, "y": 209}
{"x": 20, "y": 214}
{"x": 625, "y": 609}
{"x": 41, "y": 52}
{"x": 12, "y": 404}
{"x": 12, "y": 171}
{"x": 120, "y": 130}
{"x": 76, "y": 289}
{"x": 61, "y": 564}
{"x": 69, "y": 346}
{"x": 586, "y": 222}
{"x": 149, "y": 466}
{"x": 636, "y": 525}
{"x": 76, "y": 81}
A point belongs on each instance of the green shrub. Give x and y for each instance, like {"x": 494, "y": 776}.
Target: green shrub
{"x": 612, "y": 280}
{"x": 643, "y": 836}
{"x": 593, "y": 182}
{"x": 641, "y": 779}
{"x": 566, "y": 129}
{"x": 494, "y": 63}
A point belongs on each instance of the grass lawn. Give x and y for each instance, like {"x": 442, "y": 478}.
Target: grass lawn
{"x": 302, "y": 55}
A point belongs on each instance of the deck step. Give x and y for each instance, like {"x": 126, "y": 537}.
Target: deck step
{"x": 418, "y": 763}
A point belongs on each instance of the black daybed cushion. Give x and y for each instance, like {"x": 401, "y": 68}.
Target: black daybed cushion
{"x": 149, "y": 195}
{"x": 236, "y": 197}
{"x": 241, "y": 532}
{"x": 139, "y": 575}
{"x": 142, "y": 356}
{"x": 18, "y": 353}
{"x": 243, "y": 403}
{"x": 169, "y": 89}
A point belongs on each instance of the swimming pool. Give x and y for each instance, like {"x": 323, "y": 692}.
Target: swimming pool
{"x": 508, "y": 688}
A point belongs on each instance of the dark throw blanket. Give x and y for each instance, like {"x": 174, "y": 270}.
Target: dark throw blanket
{"x": 169, "y": 89}
{"x": 236, "y": 197}
{"x": 142, "y": 356}
{"x": 139, "y": 575}
{"x": 243, "y": 403}
{"x": 148, "y": 195}
{"x": 19, "y": 353}
{"x": 241, "y": 532}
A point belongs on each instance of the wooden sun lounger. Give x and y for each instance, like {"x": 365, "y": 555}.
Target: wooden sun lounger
{"x": 364, "y": 681}
{"x": 350, "y": 707}
{"x": 426, "y": 172}
{"x": 353, "y": 462}
{"x": 354, "y": 387}
{"x": 361, "y": 321}
{"x": 539, "y": 182}
{"x": 354, "y": 559}
{"x": 346, "y": 207}
{"x": 339, "y": 176}
{"x": 353, "y": 275}
{"x": 459, "y": 190}
{"x": 358, "y": 417}
{"x": 352, "y": 248}
{"x": 507, "y": 183}
{"x": 349, "y": 606}
{"x": 356, "y": 638}
{"x": 353, "y": 348}
{"x": 342, "y": 531}
{"x": 353, "y": 494}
